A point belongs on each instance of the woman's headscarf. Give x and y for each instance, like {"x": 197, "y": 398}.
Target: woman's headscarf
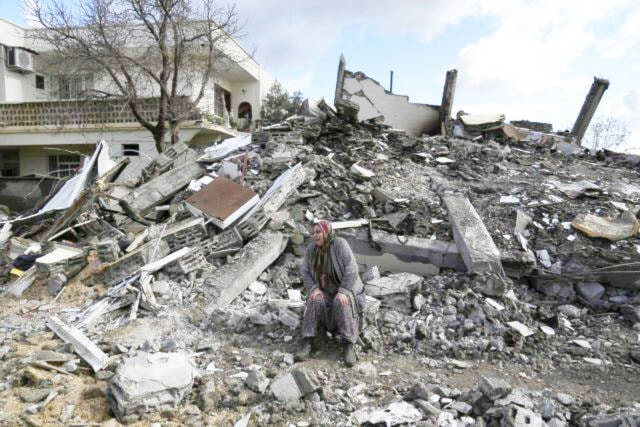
{"x": 325, "y": 274}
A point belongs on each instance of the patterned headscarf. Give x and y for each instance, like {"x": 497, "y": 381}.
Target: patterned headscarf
{"x": 325, "y": 274}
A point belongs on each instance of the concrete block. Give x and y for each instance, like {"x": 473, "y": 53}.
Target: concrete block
{"x": 477, "y": 248}
{"x": 522, "y": 417}
{"x": 150, "y": 383}
{"x": 163, "y": 187}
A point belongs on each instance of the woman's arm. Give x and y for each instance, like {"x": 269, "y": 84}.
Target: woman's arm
{"x": 306, "y": 271}
{"x": 345, "y": 254}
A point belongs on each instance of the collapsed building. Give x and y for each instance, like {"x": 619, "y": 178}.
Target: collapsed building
{"x": 484, "y": 246}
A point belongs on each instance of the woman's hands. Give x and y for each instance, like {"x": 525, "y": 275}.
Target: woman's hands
{"x": 316, "y": 295}
{"x": 342, "y": 299}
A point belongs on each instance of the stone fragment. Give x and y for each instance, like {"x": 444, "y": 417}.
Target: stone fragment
{"x": 590, "y": 291}
{"x": 289, "y": 318}
{"x": 427, "y": 408}
{"x": 285, "y": 388}
{"x": 34, "y": 395}
{"x": 257, "y": 381}
{"x": 367, "y": 369}
{"x": 307, "y": 381}
{"x": 494, "y": 388}
{"x": 478, "y": 250}
{"x": 571, "y": 311}
{"x": 462, "y": 408}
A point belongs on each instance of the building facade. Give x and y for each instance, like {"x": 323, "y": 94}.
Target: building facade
{"x": 48, "y": 123}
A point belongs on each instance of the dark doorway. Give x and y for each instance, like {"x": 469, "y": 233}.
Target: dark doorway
{"x": 244, "y": 116}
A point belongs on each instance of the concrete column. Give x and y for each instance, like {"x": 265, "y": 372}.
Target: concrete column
{"x": 447, "y": 99}
{"x": 589, "y": 108}
{"x": 339, "y": 80}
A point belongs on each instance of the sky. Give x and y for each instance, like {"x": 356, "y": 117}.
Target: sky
{"x": 532, "y": 59}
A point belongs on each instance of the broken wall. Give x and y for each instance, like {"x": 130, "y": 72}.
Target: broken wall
{"x": 376, "y": 102}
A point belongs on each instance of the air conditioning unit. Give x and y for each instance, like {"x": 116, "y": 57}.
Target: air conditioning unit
{"x": 20, "y": 60}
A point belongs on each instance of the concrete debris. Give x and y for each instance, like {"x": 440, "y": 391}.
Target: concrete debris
{"x": 475, "y": 244}
{"x": 392, "y": 284}
{"x": 485, "y": 247}
{"x": 150, "y": 382}
{"x": 231, "y": 280}
{"x": 85, "y": 348}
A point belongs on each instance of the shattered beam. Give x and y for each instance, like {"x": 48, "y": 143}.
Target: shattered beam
{"x": 477, "y": 248}
{"x": 598, "y": 87}
{"x": 234, "y": 277}
{"x": 447, "y": 99}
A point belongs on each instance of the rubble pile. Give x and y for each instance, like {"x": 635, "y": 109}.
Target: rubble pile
{"x": 176, "y": 295}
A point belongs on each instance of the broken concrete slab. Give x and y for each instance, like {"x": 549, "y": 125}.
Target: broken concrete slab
{"x": 236, "y": 276}
{"x": 477, "y": 248}
{"x": 392, "y": 284}
{"x": 376, "y": 103}
{"x": 389, "y": 253}
{"x": 84, "y": 347}
{"x": 416, "y": 249}
{"x": 279, "y": 191}
{"x": 150, "y": 382}
{"x": 494, "y": 388}
{"x": 22, "y": 283}
{"x": 226, "y": 147}
{"x": 162, "y": 187}
{"x": 285, "y": 388}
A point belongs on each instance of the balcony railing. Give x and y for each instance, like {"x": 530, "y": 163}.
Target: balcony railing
{"x": 93, "y": 112}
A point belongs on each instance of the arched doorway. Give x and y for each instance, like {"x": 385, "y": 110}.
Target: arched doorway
{"x": 244, "y": 116}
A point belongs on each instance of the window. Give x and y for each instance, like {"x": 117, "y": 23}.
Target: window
{"x": 9, "y": 163}
{"x": 74, "y": 87}
{"x": 64, "y": 165}
{"x": 131, "y": 149}
{"x": 39, "y": 81}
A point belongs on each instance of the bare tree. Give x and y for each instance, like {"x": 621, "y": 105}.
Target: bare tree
{"x": 166, "y": 49}
{"x": 606, "y": 133}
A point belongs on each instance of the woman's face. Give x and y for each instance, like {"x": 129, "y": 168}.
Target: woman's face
{"x": 318, "y": 235}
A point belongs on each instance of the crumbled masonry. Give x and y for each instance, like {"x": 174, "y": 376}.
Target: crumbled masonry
{"x": 500, "y": 265}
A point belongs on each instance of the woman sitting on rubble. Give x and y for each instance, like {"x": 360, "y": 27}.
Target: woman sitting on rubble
{"x": 335, "y": 293}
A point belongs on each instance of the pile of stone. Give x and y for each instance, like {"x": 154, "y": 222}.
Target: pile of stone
{"x": 493, "y": 401}
{"x": 469, "y": 249}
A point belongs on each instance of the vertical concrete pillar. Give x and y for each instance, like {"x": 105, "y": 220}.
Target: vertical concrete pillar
{"x": 339, "y": 80}
{"x": 447, "y": 99}
{"x": 589, "y": 108}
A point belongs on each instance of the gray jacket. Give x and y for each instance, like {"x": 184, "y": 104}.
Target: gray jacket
{"x": 346, "y": 269}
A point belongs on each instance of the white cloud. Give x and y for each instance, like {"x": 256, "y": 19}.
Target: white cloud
{"x": 534, "y": 46}
{"x": 625, "y": 39}
{"x": 300, "y": 83}
{"x": 296, "y": 33}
